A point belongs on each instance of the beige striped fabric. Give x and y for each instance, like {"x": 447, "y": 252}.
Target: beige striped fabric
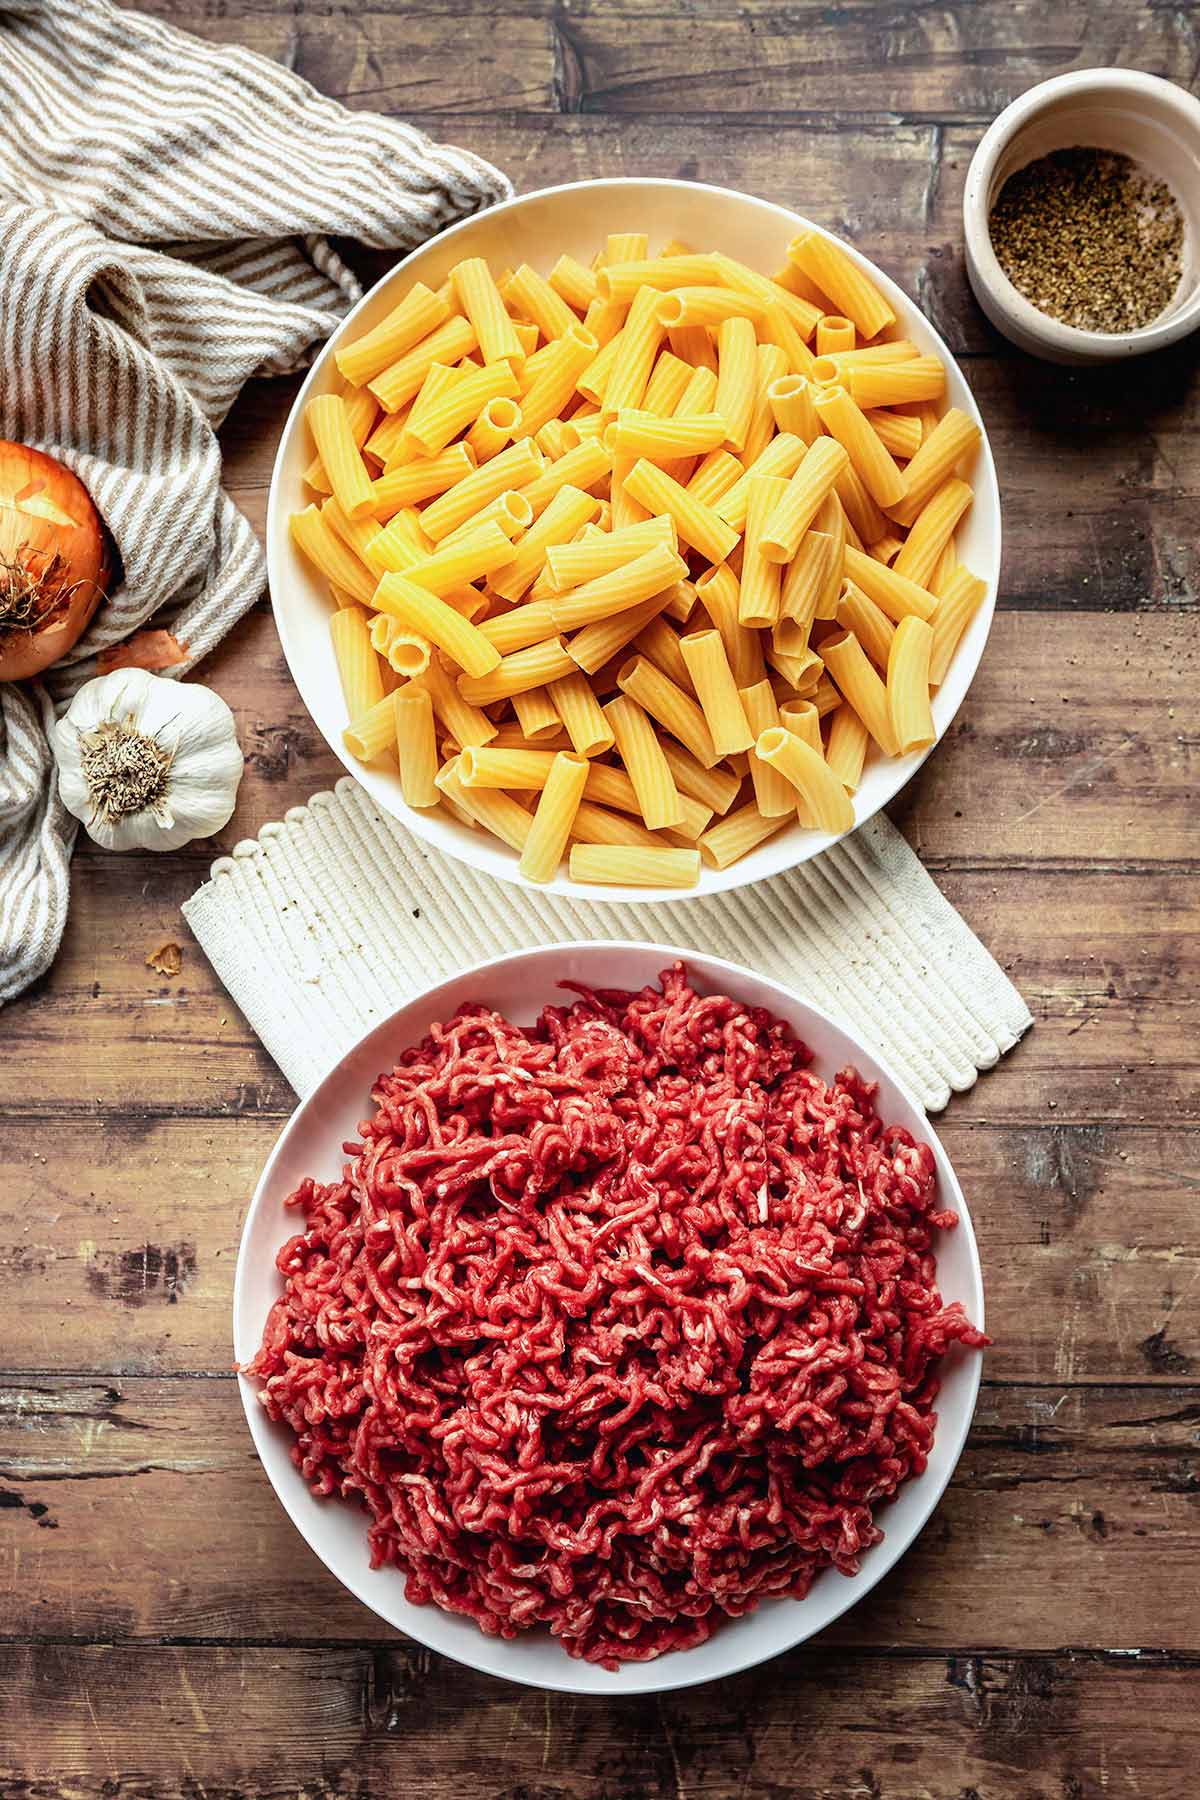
{"x": 163, "y": 210}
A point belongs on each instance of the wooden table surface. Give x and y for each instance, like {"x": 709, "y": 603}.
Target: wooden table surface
{"x": 165, "y": 1632}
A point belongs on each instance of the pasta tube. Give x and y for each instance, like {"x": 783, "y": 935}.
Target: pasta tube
{"x": 951, "y": 441}
{"x": 573, "y": 564}
{"x": 806, "y": 578}
{"x": 497, "y": 425}
{"x": 567, "y": 357}
{"x": 553, "y": 817}
{"x": 313, "y": 535}
{"x": 570, "y": 509}
{"x": 657, "y": 641}
{"x": 518, "y": 673}
{"x": 420, "y": 312}
{"x": 827, "y": 803}
{"x": 908, "y": 686}
{"x": 641, "y": 434}
{"x": 960, "y": 601}
{"x": 736, "y": 371}
{"x": 835, "y": 273}
{"x": 410, "y": 483}
{"x": 535, "y": 297}
{"x": 719, "y": 595}
{"x": 899, "y": 433}
{"x": 582, "y": 467}
{"x": 896, "y": 384}
{"x": 573, "y": 283}
{"x": 708, "y": 306}
{"x": 717, "y": 692}
{"x": 893, "y": 593}
{"x": 476, "y": 291}
{"x": 621, "y": 281}
{"x": 846, "y": 750}
{"x": 401, "y": 380}
{"x": 782, "y": 456}
{"x": 800, "y": 502}
{"x": 460, "y": 405}
{"x": 537, "y": 715}
{"x": 759, "y": 599}
{"x": 715, "y": 476}
{"x": 697, "y": 524}
{"x": 669, "y": 381}
{"x": 641, "y": 579}
{"x": 426, "y": 613}
{"x": 626, "y": 866}
{"x": 357, "y": 663}
{"x": 597, "y": 644}
{"x": 640, "y": 751}
{"x": 675, "y": 711}
{"x": 596, "y": 825}
{"x": 791, "y": 404}
{"x": 467, "y": 724}
{"x": 931, "y": 530}
{"x": 639, "y": 342}
{"x": 845, "y": 422}
{"x": 373, "y": 732}
{"x": 834, "y": 333}
{"x": 733, "y": 837}
{"x": 489, "y": 767}
{"x": 455, "y": 565}
{"x": 773, "y": 794}
{"x": 873, "y": 629}
{"x": 860, "y": 686}
{"x": 582, "y": 714}
{"x": 492, "y": 808}
{"x": 416, "y": 746}
{"x": 329, "y": 422}
{"x": 515, "y": 467}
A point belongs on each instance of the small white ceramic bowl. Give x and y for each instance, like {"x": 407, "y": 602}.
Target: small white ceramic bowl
{"x": 538, "y": 228}
{"x": 519, "y": 985}
{"x": 1150, "y": 120}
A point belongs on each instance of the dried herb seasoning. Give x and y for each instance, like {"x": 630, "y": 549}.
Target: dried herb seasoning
{"x": 1090, "y": 238}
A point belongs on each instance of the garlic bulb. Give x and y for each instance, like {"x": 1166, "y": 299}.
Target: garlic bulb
{"x": 147, "y": 763}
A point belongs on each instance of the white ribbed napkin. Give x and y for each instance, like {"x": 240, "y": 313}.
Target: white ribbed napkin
{"x": 335, "y": 916}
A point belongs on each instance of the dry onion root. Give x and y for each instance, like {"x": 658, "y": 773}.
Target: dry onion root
{"x": 54, "y": 561}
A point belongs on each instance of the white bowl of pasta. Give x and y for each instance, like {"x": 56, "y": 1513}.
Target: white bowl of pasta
{"x": 678, "y": 571}
{"x": 312, "y": 1379}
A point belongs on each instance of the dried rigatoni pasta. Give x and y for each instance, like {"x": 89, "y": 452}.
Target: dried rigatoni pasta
{"x": 420, "y": 312}
{"x": 630, "y": 866}
{"x": 707, "y": 664}
{"x": 846, "y": 750}
{"x": 698, "y": 525}
{"x": 329, "y": 422}
{"x": 642, "y": 754}
{"x": 908, "y": 686}
{"x": 357, "y": 662}
{"x": 314, "y": 536}
{"x": 581, "y": 713}
{"x": 893, "y": 593}
{"x": 401, "y": 380}
{"x": 873, "y": 465}
{"x": 479, "y": 297}
{"x": 675, "y": 711}
{"x": 773, "y": 795}
{"x": 960, "y": 600}
{"x": 641, "y": 579}
{"x": 410, "y": 483}
{"x": 835, "y": 273}
{"x": 947, "y": 446}
{"x": 515, "y": 467}
{"x": 898, "y": 383}
{"x": 425, "y": 612}
{"x": 556, "y": 807}
{"x": 801, "y": 500}
{"x": 736, "y": 377}
{"x": 918, "y": 555}
{"x": 828, "y": 806}
{"x": 737, "y": 834}
{"x": 860, "y": 686}
{"x": 524, "y": 670}
{"x": 416, "y": 747}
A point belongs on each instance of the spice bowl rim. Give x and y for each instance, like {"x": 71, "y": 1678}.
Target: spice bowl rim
{"x": 1007, "y": 308}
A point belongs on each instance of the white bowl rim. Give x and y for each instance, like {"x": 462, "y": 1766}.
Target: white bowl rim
{"x": 1053, "y": 333}
{"x": 738, "y": 874}
{"x": 634, "y": 1678}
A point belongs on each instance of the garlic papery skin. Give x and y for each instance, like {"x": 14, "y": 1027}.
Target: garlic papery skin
{"x": 146, "y": 763}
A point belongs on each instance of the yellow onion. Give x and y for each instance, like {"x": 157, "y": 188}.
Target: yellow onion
{"x": 54, "y": 561}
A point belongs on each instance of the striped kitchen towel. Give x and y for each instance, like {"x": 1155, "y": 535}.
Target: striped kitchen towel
{"x": 163, "y": 210}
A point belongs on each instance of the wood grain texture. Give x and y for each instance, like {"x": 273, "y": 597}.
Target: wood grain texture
{"x": 166, "y": 1634}
{"x": 123, "y": 1264}
{"x": 330, "y": 1723}
{"x": 1082, "y": 1490}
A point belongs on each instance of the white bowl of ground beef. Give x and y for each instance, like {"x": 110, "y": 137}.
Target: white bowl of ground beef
{"x": 396, "y": 1373}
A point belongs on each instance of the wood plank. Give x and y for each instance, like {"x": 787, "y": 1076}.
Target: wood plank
{"x": 1083, "y": 1491}
{"x": 117, "y": 1251}
{"x": 738, "y": 58}
{"x": 240, "y": 1723}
